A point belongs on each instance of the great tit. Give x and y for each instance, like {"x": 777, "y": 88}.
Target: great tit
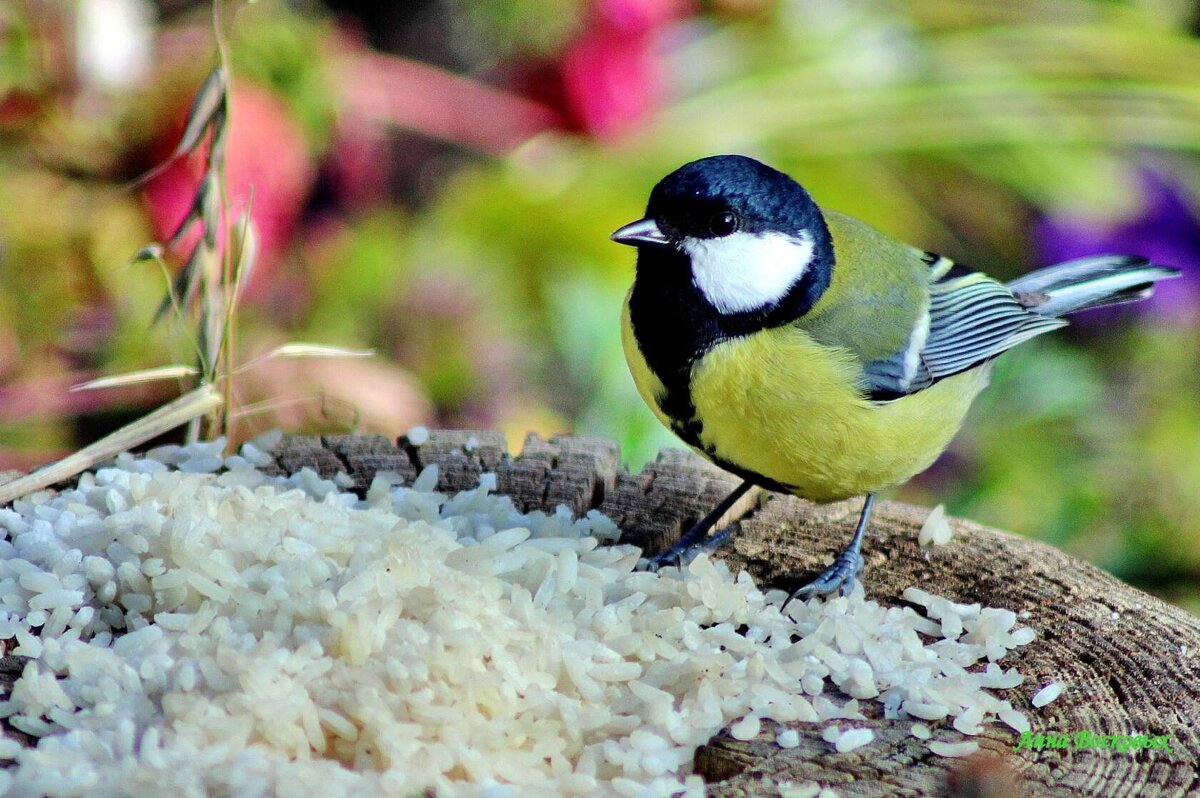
{"x": 809, "y": 353}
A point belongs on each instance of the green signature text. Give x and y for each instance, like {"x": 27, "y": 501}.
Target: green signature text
{"x": 1091, "y": 741}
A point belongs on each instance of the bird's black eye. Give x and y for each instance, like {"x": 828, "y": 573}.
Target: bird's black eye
{"x": 723, "y": 224}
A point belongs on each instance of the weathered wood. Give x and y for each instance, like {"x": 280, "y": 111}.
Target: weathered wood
{"x": 10, "y": 670}
{"x": 1131, "y": 661}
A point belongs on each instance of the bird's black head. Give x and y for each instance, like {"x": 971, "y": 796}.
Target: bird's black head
{"x": 718, "y": 196}
{"x": 754, "y": 243}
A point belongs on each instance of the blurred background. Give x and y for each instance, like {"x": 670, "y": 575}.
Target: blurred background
{"x": 437, "y": 180}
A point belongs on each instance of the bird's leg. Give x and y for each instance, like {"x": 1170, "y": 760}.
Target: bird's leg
{"x": 840, "y": 576}
{"x": 697, "y": 536}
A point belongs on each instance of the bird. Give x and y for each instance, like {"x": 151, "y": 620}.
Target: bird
{"x": 807, "y": 352}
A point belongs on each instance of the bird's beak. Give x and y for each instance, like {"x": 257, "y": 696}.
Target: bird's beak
{"x": 643, "y": 231}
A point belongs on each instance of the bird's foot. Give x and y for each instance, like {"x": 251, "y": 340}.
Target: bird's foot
{"x": 840, "y": 577}
{"x": 680, "y": 555}
{"x": 697, "y": 540}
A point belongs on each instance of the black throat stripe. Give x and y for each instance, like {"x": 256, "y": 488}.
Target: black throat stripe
{"x": 673, "y": 329}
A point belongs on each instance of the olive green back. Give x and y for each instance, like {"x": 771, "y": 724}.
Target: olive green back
{"x": 879, "y": 288}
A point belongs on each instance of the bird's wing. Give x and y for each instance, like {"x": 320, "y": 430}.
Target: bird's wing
{"x": 970, "y": 319}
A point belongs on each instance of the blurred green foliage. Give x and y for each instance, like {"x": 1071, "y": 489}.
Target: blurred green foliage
{"x": 274, "y": 51}
{"x": 522, "y": 28}
{"x": 953, "y": 125}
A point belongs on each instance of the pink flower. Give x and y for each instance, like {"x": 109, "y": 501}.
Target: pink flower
{"x": 611, "y": 73}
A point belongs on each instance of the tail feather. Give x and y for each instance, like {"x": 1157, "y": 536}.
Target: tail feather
{"x": 1088, "y": 283}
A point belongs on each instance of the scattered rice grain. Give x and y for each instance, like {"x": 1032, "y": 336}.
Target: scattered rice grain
{"x": 853, "y": 738}
{"x": 942, "y": 748}
{"x": 807, "y": 789}
{"x": 936, "y": 530}
{"x": 790, "y": 738}
{"x": 1047, "y": 694}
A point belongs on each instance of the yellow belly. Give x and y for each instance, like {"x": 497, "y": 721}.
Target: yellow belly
{"x": 779, "y": 405}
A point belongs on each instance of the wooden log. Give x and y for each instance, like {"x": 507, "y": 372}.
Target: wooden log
{"x": 1131, "y": 663}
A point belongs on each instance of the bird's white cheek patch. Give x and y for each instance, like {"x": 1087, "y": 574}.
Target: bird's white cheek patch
{"x": 748, "y": 271}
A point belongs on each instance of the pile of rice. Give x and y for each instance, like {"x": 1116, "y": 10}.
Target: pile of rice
{"x": 194, "y": 632}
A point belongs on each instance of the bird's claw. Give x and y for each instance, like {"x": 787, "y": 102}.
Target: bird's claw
{"x": 681, "y": 556}
{"x": 839, "y": 576}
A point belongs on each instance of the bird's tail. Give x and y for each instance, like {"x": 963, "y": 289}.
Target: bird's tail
{"x": 1088, "y": 283}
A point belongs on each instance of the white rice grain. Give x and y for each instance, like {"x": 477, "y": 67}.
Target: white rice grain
{"x": 942, "y": 748}
{"x": 807, "y": 789}
{"x": 852, "y": 739}
{"x": 1047, "y": 694}
{"x": 936, "y": 530}
{"x": 790, "y": 738}
{"x": 746, "y": 729}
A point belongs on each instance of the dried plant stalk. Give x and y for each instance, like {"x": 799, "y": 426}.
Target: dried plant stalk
{"x": 191, "y": 405}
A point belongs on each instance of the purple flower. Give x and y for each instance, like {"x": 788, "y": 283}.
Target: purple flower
{"x": 1165, "y": 227}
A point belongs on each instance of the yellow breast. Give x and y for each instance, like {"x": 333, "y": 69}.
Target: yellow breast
{"x": 780, "y": 405}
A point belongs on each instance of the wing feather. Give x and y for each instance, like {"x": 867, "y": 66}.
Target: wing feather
{"x": 971, "y": 319}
